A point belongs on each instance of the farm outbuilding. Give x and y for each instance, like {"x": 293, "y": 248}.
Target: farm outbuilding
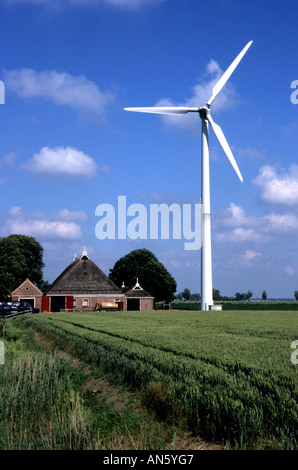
{"x": 28, "y": 292}
{"x": 137, "y": 298}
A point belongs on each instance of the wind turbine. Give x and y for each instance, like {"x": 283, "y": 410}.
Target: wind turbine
{"x": 205, "y": 115}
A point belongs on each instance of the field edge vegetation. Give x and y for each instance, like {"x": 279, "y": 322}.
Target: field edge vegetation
{"x": 46, "y": 405}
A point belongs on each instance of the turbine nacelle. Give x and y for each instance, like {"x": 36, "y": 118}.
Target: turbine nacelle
{"x": 204, "y": 112}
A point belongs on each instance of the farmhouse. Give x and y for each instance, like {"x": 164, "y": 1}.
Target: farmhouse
{"x": 83, "y": 286}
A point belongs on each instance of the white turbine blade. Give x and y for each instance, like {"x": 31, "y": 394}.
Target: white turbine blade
{"x": 225, "y": 146}
{"x": 225, "y": 77}
{"x": 164, "y": 110}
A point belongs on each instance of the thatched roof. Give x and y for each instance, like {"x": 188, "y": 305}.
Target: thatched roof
{"x": 82, "y": 276}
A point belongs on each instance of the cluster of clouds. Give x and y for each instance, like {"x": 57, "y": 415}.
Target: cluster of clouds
{"x": 55, "y": 161}
{"x": 62, "y": 160}
{"x": 61, "y": 88}
{"x": 85, "y": 96}
{"x": 237, "y": 227}
{"x": 278, "y": 189}
{"x": 61, "y": 225}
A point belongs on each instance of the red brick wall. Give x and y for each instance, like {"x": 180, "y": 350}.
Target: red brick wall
{"x": 92, "y": 301}
{"x": 147, "y": 304}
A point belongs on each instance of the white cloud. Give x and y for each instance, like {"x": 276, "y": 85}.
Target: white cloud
{"x": 237, "y": 212}
{"x": 60, "y": 225}
{"x": 200, "y": 95}
{"x": 240, "y": 235}
{"x": 278, "y": 188}
{"x": 233, "y": 225}
{"x": 249, "y": 256}
{"x": 235, "y": 216}
{"x": 60, "y": 88}
{"x": 62, "y": 160}
{"x": 281, "y": 222}
{"x": 44, "y": 229}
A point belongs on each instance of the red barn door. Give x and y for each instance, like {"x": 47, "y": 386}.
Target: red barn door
{"x": 46, "y": 304}
{"x": 69, "y": 302}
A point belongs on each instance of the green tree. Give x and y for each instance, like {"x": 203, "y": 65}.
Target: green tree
{"x": 216, "y": 294}
{"x": 264, "y": 295}
{"x": 296, "y": 294}
{"x": 186, "y": 294}
{"x": 151, "y": 273}
{"x": 196, "y": 297}
{"x": 45, "y": 287}
{"x": 20, "y": 257}
{"x": 243, "y": 296}
{"x": 249, "y": 294}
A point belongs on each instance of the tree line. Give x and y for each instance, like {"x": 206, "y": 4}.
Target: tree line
{"x": 187, "y": 295}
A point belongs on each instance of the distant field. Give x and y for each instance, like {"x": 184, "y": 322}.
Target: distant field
{"x": 228, "y": 374}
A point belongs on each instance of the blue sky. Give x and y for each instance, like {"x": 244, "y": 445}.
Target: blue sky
{"x": 70, "y": 67}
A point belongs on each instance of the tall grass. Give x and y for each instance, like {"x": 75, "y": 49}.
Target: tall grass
{"x": 44, "y": 405}
{"x": 39, "y": 408}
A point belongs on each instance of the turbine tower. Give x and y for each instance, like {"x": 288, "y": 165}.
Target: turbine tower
{"x": 205, "y": 115}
